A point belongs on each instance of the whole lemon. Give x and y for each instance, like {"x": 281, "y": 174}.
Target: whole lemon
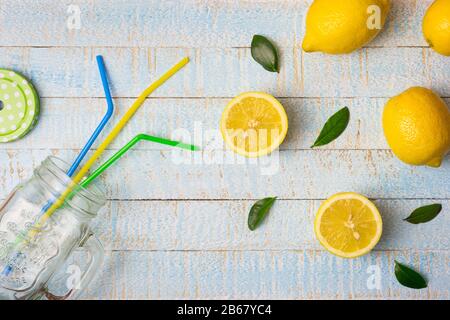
{"x": 343, "y": 26}
{"x": 436, "y": 26}
{"x": 416, "y": 124}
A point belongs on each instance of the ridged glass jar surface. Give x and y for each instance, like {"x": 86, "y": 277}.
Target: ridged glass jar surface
{"x": 31, "y": 251}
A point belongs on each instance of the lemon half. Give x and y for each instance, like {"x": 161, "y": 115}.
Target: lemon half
{"x": 254, "y": 124}
{"x": 348, "y": 225}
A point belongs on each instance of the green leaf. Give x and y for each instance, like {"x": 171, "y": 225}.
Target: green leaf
{"x": 333, "y": 128}
{"x": 265, "y": 53}
{"x": 259, "y": 211}
{"x": 424, "y": 214}
{"x": 408, "y": 277}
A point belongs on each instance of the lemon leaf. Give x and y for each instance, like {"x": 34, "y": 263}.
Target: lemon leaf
{"x": 265, "y": 53}
{"x": 408, "y": 277}
{"x": 424, "y": 214}
{"x": 259, "y": 211}
{"x": 333, "y": 128}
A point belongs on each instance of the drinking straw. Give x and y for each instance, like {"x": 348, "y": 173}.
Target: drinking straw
{"x": 94, "y": 136}
{"x": 103, "y": 122}
{"x": 128, "y": 146}
{"x": 86, "y": 182}
{"x": 98, "y": 130}
{"x": 113, "y": 134}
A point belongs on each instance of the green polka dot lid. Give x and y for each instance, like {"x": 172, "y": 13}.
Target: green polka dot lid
{"x": 19, "y": 106}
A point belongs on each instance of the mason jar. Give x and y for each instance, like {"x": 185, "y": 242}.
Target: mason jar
{"x": 31, "y": 254}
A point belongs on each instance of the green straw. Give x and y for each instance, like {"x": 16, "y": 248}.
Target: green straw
{"x": 128, "y": 146}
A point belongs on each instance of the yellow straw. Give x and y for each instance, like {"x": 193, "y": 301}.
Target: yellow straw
{"x": 131, "y": 111}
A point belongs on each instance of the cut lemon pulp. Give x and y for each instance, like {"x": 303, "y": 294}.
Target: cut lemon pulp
{"x": 348, "y": 225}
{"x": 254, "y": 124}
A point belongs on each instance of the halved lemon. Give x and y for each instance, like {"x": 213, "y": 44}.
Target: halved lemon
{"x": 348, "y": 225}
{"x": 254, "y": 124}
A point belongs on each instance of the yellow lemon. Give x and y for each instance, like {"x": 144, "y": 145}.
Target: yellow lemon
{"x": 343, "y": 26}
{"x": 254, "y": 124}
{"x": 436, "y": 26}
{"x": 348, "y": 225}
{"x": 416, "y": 124}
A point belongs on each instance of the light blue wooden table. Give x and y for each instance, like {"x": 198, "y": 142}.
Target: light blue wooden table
{"x": 178, "y": 230}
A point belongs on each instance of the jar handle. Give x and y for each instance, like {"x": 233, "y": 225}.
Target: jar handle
{"x": 95, "y": 250}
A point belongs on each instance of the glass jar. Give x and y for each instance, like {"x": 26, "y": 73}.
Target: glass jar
{"x": 28, "y": 260}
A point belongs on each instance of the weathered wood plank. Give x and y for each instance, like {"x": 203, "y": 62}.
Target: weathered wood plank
{"x": 164, "y": 117}
{"x": 200, "y": 117}
{"x": 213, "y": 72}
{"x": 184, "y": 23}
{"x": 222, "y": 225}
{"x": 309, "y": 174}
{"x": 265, "y": 275}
